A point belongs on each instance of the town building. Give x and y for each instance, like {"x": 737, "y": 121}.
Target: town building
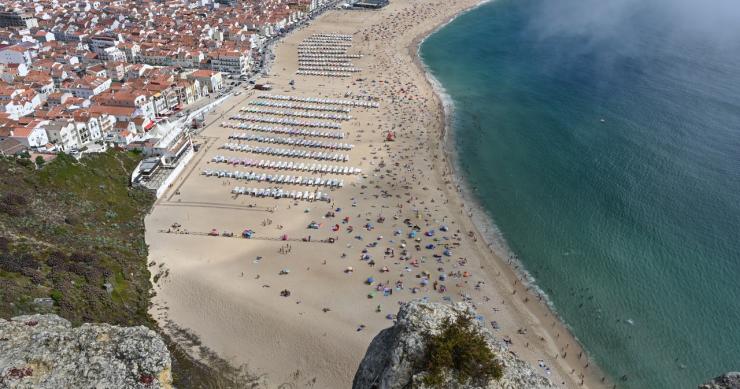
{"x": 17, "y": 19}
{"x": 230, "y": 61}
{"x": 210, "y": 81}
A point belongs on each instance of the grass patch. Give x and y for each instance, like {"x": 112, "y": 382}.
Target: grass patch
{"x": 120, "y": 287}
{"x": 56, "y": 295}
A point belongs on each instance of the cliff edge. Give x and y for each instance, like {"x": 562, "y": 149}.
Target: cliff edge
{"x": 44, "y": 351}
{"x": 397, "y": 357}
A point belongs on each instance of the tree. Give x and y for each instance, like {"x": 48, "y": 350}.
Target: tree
{"x": 40, "y": 161}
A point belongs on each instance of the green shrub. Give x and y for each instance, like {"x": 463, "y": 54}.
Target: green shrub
{"x": 25, "y": 162}
{"x": 56, "y": 295}
{"x": 460, "y": 349}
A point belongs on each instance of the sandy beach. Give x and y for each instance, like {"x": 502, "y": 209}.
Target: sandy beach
{"x": 227, "y": 291}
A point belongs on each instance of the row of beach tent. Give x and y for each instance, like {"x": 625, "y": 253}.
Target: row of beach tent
{"x": 286, "y": 121}
{"x": 280, "y": 193}
{"x": 275, "y": 178}
{"x": 288, "y": 165}
{"x": 318, "y": 73}
{"x": 308, "y": 107}
{"x": 322, "y": 48}
{"x": 327, "y": 39}
{"x": 317, "y": 39}
{"x": 328, "y": 56}
{"x": 335, "y": 62}
{"x": 329, "y": 68}
{"x": 329, "y": 36}
{"x": 323, "y": 100}
{"x": 291, "y": 141}
{"x": 285, "y": 130}
{"x": 292, "y": 153}
{"x": 321, "y": 44}
{"x": 321, "y": 51}
{"x": 302, "y": 114}
{"x": 339, "y": 42}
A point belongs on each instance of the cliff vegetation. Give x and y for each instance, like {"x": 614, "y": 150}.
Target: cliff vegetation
{"x": 71, "y": 239}
{"x": 72, "y": 244}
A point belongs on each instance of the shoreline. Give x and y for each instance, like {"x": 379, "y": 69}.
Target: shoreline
{"x": 484, "y": 222}
{"x": 237, "y": 316}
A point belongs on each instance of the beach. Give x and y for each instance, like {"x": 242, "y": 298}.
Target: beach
{"x": 230, "y": 291}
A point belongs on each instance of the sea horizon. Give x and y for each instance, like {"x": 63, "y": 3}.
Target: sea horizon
{"x": 449, "y": 69}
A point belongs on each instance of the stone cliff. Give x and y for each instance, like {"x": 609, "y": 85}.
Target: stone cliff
{"x": 44, "y": 351}
{"x": 394, "y": 357}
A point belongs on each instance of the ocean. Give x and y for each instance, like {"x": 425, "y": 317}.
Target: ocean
{"x": 603, "y": 141}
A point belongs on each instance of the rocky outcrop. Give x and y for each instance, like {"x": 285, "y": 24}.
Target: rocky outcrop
{"x": 725, "y": 381}
{"x": 44, "y": 351}
{"x": 393, "y": 356}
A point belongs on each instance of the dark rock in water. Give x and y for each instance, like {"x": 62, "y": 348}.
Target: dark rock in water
{"x": 44, "y": 351}
{"x": 725, "y": 381}
{"x": 392, "y": 358}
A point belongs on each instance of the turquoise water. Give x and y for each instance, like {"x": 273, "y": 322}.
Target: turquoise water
{"x": 636, "y": 217}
